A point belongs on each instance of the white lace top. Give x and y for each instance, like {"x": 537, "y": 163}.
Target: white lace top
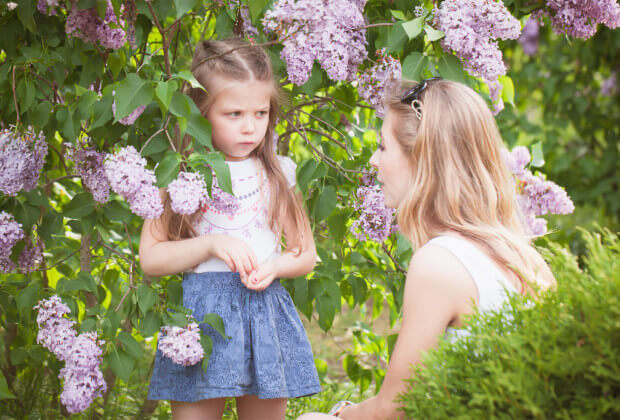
{"x": 493, "y": 286}
{"x": 250, "y": 222}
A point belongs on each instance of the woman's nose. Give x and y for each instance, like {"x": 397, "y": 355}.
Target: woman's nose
{"x": 374, "y": 160}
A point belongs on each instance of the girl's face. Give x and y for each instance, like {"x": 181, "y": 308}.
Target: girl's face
{"x": 393, "y": 167}
{"x": 239, "y": 116}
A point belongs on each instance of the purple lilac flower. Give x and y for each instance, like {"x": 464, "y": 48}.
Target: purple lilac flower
{"x": 10, "y": 233}
{"x": 31, "y": 256}
{"x": 537, "y": 196}
{"x": 579, "y": 18}
{"x": 131, "y": 118}
{"x": 375, "y": 80}
{"x": 47, "y": 6}
{"x": 127, "y": 174}
{"x": 83, "y": 380}
{"x": 222, "y": 201}
{"x": 529, "y": 37}
{"x": 609, "y": 85}
{"x": 472, "y": 28}
{"x": 89, "y": 166}
{"x": 244, "y": 11}
{"x": 187, "y": 193}
{"x": 322, "y": 30}
{"x": 22, "y": 155}
{"x": 89, "y": 27}
{"x": 376, "y": 221}
{"x": 181, "y": 345}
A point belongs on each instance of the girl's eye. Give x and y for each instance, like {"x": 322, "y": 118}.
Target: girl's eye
{"x": 234, "y": 114}
{"x": 261, "y": 114}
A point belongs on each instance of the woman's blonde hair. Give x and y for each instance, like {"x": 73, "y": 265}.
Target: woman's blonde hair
{"x": 459, "y": 181}
{"x": 235, "y": 59}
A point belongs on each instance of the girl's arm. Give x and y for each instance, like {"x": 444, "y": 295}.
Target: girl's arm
{"x": 161, "y": 257}
{"x": 438, "y": 289}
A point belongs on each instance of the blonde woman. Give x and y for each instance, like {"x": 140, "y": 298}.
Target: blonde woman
{"x": 456, "y": 206}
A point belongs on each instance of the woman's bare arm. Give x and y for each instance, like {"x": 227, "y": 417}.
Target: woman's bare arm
{"x": 438, "y": 289}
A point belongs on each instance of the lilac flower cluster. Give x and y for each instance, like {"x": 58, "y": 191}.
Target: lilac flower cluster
{"x": 181, "y": 345}
{"x": 222, "y": 201}
{"x": 89, "y": 166}
{"x": 31, "y": 257}
{"x": 47, "y": 6}
{"x": 529, "y": 37}
{"x": 187, "y": 193}
{"x": 325, "y": 30}
{"x": 579, "y": 18}
{"x": 131, "y": 118}
{"x": 244, "y": 11}
{"x": 10, "y": 233}
{"x": 472, "y": 28}
{"x": 376, "y": 221}
{"x": 89, "y": 27}
{"x": 609, "y": 85}
{"x": 537, "y": 196}
{"x": 83, "y": 380}
{"x": 127, "y": 174}
{"x": 22, "y": 156}
{"x": 375, "y": 80}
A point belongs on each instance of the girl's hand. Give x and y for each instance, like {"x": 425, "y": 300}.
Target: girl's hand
{"x": 237, "y": 255}
{"x": 266, "y": 273}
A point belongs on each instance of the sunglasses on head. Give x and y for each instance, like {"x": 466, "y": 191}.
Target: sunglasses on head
{"x": 410, "y": 97}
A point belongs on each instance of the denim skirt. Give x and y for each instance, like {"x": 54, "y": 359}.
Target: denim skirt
{"x": 267, "y": 353}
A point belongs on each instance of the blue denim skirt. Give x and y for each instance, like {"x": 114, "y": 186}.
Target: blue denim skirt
{"x": 267, "y": 354}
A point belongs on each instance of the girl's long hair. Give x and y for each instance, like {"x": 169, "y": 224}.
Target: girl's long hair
{"x": 459, "y": 181}
{"x": 245, "y": 63}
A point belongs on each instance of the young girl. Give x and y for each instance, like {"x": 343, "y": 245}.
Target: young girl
{"x": 231, "y": 254}
{"x": 440, "y": 165}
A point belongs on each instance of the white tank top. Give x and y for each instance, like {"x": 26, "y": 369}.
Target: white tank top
{"x": 493, "y": 286}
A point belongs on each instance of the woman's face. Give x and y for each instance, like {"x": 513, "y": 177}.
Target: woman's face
{"x": 393, "y": 167}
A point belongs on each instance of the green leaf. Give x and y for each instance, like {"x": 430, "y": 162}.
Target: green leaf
{"x": 147, "y": 297}
{"x": 301, "y": 291}
{"x": 179, "y": 105}
{"x": 413, "y": 27}
{"x": 451, "y": 68}
{"x": 121, "y": 364}
{"x": 398, "y": 14}
{"x": 131, "y": 93}
{"x": 198, "y": 127}
{"x": 41, "y": 114}
{"x": 116, "y": 212}
{"x": 327, "y": 203}
{"x": 222, "y": 171}
{"x": 87, "y": 280}
{"x": 396, "y": 38}
{"x": 314, "y": 81}
{"x": 102, "y": 111}
{"x": 256, "y": 7}
{"x": 183, "y": 6}
{"x": 164, "y": 92}
{"x": 216, "y": 322}
{"x": 326, "y": 310}
{"x": 68, "y": 126}
{"x": 305, "y": 174}
{"x": 25, "y": 93}
{"x": 132, "y": 347}
{"x": 189, "y": 77}
{"x": 4, "y": 389}
{"x": 150, "y": 324}
{"x": 158, "y": 144}
{"x": 337, "y": 226}
{"x": 432, "y": 33}
{"x": 168, "y": 168}
{"x": 175, "y": 293}
{"x": 508, "y": 90}
{"x": 538, "y": 159}
{"x": 85, "y": 105}
{"x": 207, "y": 345}
{"x": 27, "y": 298}
{"x": 80, "y": 206}
{"x": 413, "y": 65}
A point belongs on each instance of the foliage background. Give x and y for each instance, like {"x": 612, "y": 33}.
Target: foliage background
{"x": 91, "y": 249}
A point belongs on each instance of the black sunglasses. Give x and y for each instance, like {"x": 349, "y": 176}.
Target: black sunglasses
{"x": 410, "y": 97}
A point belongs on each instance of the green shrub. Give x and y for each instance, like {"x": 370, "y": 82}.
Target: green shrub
{"x": 557, "y": 357}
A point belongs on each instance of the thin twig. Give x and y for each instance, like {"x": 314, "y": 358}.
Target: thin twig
{"x": 59, "y": 262}
{"x": 396, "y": 264}
{"x": 330, "y": 126}
{"x": 51, "y": 181}
{"x": 60, "y": 156}
{"x": 15, "y": 98}
{"x": 131, "y": 286}
{"x": 163, "y": 38}
{"x": 108, "y": 247}
{"x": 165, "y": 127}
{"x": 374, "y": 25}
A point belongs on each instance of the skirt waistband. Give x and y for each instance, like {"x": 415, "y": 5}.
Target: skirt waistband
{"x": 222, "y": 281}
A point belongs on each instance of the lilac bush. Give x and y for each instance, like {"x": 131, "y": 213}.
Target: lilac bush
{"x": 83, "y": 380}
{"x": 579, "y": 18}
{"x": 376, "y": 79}
{"x": 181, "y": 345}
{"x": 31, "y": 256}
{"x": 89, "y": 27}
{"x": 187, "y": 193}
{"x": 22, "y": 155}
{"x": 322, "y": 30}
{"x": 472, "y": 28}
{"x": 536, "y": 195}
{"x": 128, "y": 176}
{"x": 10, "y": 233}
{"x": 89, "y": 166}
{"x": 529, "y": 37}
